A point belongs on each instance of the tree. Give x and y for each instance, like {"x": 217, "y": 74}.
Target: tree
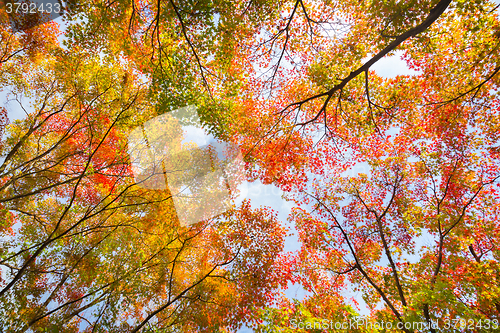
{"x": 404, "y": 231}
{"x": 85, "y": 247}
{"x": 290, "y": 82}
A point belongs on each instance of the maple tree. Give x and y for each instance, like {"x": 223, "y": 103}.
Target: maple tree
{"x": 85, "y": 247}
{"x": 416, "y": 231}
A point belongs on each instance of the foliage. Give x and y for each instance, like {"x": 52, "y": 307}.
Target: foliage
{"x": 85, "y": 248}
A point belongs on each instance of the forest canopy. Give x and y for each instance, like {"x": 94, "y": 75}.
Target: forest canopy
{"x": 95, "y": 239}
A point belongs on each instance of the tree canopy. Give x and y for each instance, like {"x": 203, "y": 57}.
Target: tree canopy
{"x": 88, "y": 246}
